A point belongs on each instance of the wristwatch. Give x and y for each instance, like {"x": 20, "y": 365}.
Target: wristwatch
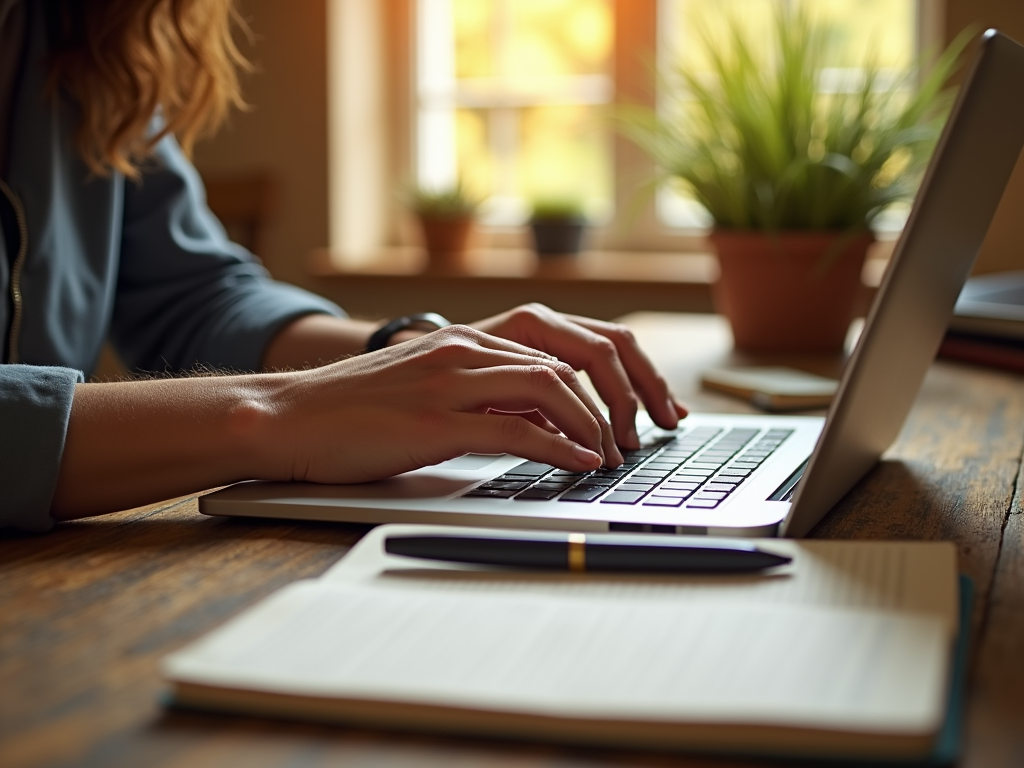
{"x": 380, "y": 338}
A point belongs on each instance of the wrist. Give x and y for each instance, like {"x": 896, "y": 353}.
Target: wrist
{"x": 385, "y": 336}
{"x": 256, "y": 429}
{"x": 407, "y": 335}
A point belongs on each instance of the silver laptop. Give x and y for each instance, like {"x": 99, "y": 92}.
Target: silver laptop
{"x": 730, "y": 474}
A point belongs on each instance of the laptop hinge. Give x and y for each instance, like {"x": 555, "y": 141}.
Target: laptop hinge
{"x": 785, "y": 491}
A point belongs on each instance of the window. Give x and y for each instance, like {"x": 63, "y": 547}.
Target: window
{"x": 514, "y": 96}
{"x": 511, "y": 96}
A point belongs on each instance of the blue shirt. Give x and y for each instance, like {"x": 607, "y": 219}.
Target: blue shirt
{"x": 142, "y": 262}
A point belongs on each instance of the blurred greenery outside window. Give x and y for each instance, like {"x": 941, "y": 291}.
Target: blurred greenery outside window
{"x": 513, "y": 96}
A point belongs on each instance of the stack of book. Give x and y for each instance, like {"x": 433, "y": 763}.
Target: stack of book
{"x": 988, "y": 324}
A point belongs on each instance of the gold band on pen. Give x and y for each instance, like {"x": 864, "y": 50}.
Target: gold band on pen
{"x": 577, "y": 552}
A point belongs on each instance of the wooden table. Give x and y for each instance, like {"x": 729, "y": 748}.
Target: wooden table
{"x": 88, "y": 610}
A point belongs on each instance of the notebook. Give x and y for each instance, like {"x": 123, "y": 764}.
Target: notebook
{"x": 714, "y": 477}
{"x": 848, "y": 652}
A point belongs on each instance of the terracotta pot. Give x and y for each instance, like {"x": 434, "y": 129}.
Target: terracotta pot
{"x": 447, "y": 241}
{"x": 789, "y": 291}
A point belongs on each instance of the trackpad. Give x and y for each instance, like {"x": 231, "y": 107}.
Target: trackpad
{"x": 471, "y": 461}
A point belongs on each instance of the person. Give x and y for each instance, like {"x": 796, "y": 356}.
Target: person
{"x": 106, "y": 234}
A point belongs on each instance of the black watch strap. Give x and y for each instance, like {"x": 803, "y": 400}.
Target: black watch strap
{"x": 380, "y": 338}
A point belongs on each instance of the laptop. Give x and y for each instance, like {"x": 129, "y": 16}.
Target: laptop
{"x": 739, "y": 475}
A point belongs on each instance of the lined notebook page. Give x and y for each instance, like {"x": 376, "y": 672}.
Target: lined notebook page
{"x": 660, "y": 658}
{"x": 915, "y": 577}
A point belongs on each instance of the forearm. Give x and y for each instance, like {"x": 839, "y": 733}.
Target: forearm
{"x": 137, "y": 442}
{"x": 318, "y": 339}
{"x": 371, "y": 416}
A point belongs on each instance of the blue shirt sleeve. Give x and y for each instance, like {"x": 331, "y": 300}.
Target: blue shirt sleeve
{"x": 186, "y": 295}
{"x": 35, "y": 405}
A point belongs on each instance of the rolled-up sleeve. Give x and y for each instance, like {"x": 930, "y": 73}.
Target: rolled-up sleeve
{"x": 186, "y": 295}
{"x": 35, "y": 405}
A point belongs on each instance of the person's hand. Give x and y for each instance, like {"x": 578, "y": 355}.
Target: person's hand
{"x": 619, "y": 370}
{"x": 451, "y": 392}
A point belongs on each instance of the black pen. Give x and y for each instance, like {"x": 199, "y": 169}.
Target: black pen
{"x": 588, "y": 552}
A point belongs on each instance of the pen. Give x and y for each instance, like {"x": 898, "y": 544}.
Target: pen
{"x": 588, "y": 552}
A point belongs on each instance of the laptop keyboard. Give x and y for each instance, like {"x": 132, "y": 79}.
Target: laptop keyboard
{"x": 698, "y": 469}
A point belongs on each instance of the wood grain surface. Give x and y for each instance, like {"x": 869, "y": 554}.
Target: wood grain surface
{"x": 88, "y": 610}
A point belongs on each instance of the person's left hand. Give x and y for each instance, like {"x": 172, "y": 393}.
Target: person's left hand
{"x": 622, "y": 374}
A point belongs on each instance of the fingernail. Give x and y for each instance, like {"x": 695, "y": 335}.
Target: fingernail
{"x": 672, "y": 408}
{"x": 617, "y": 458}
{"x": 587, "y": 456}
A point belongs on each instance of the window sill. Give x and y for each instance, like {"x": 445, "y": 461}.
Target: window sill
{"x": 603, "y": 284}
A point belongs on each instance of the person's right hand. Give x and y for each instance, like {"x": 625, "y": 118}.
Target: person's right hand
{"x": 448, "y": 393}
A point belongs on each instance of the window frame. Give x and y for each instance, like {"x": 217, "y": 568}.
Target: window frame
{"x": 635, "y": 226}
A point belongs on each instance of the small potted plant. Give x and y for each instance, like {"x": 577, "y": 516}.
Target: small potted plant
{"x": 558, "y": 227}
{"x": 446, "y": 216}
{"x": 792, "y": 176}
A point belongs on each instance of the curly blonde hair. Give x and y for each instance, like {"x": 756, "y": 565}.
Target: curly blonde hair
{"x": 123, "y": 61}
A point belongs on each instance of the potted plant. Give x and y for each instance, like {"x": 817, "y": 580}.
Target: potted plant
{"x": 558, "y": 227}
{"x": 446, "y": 216}
{"x": 793, "y": 177}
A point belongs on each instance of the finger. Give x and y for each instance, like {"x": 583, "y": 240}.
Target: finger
{"x": 649, "y": 385}
{"x": 534, "y": 417}
{"x": 537, "y": 387}
{"x": 483, "y": 359}
{"x": 584, "y": 349}
{"x": 464, "y": 337}
{"x": 494, "y": 433}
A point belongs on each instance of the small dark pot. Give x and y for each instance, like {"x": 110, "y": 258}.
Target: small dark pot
{"x": 552, "y": 237}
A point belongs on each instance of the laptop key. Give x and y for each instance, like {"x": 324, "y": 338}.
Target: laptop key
{"x": 703, "y": 503}
{"x": 722, "y": 487}
{"x": 623, "y": 497}
{"x": 489, "y": 493}
{"x": 537, "y": 494}
{"x": 679, "y": 486}
{"x": 605, "y": 481}
{"x": 662, "y": 501}
{"x": 668, "y": 466}
{"x": 691, "y": 472}
{"x": 586, "y": 493}
{"x": 637, "y": 486}
{"x": 544, "y": 485}
{"x": 533, "y": 468}
{"x": 735, "y": 472}
{"x": 671, "y": 494}
{"x": 654, "y": 474}
{"x": 505, "y": 485}
{"x": 711, "y": 495}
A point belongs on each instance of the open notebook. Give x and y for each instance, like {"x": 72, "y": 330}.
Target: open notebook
{"x": 844, "y": 653}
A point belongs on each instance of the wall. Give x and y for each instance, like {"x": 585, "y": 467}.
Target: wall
{"x": 1004, "y": 246}
{"x": 286, "y": 132}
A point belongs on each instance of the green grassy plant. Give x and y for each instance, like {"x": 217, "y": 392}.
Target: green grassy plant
{"x": 757, "y": 144}
{"x": 557, "y": 209}
{"x": 451, "y": 202}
